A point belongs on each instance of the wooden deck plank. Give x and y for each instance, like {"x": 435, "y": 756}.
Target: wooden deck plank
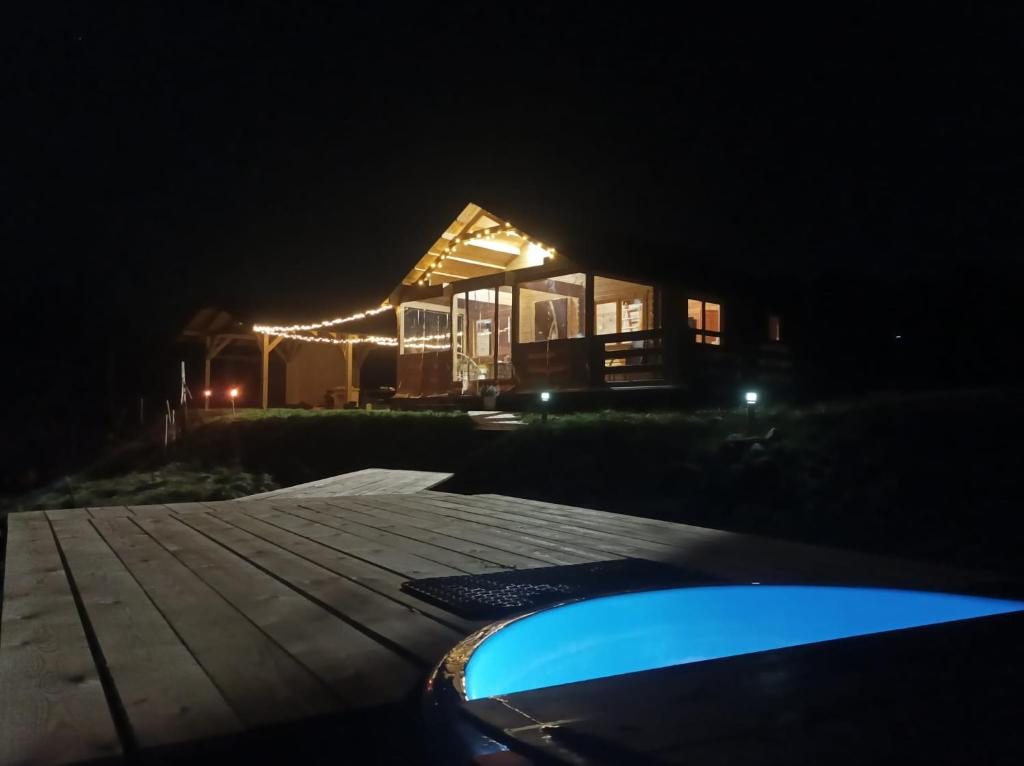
{"x": 360, "y": 671}
{"x": 587, "y": 532}
{"x": 417, "y": 636}
{"x": 471, "y": 527}
{"x": 53, "y": 709}
{"x": 381, "y": 581}
{"x": 397, "y": 524}
{"x": 512, "y": 517}
{"x": 368, "y": 480}
{"x": 164, "y": 692}
{"x": 330, "y": 516}
{"x": 633, "y": 527}
{"x": 61, "y": 513}
{"x": 739, "y": 556}
{"x": 291, "y": 607}
{"x": 400, "y": 562}
{"x": 262, "y": 683}
{"x": 476, "y": 534}
{"x": 109, "y": 511}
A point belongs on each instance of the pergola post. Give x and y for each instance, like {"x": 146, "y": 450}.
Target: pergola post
{"x": 214, "y": 345}
{"x": 350, "y": 351}
{"x": 267, "y": 345}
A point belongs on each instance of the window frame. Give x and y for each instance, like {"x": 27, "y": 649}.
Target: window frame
{"x": 584, "y": 300}
{"x": 701, "y": 332}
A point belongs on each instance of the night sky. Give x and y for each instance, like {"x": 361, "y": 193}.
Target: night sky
{"x": 290, "y": 161}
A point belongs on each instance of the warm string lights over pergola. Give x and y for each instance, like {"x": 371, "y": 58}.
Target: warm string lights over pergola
{"x": 376, "y": 340}
{"x": 299, "y": 331}
{"x": 295, "y": 328}
{"x": 487, "y": 234}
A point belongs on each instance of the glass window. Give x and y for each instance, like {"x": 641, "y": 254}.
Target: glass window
{"x": 622, "y": 306}
{"x": 474, "y": 335}
{"x": 480, "y": 331}
{"x": 425, "y": 326}
{"x": 504, "y": 368}
{"x": 712, "y": 317}
{"x": 552, "y": 309}
{"x": 606, "y": 322}
{"x": 694, "y": 314}
{"x": 774, "y": 329}
{"x": 706, "y": 318}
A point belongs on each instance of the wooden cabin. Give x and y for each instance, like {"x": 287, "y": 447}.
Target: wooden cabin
{"x": 490, "y": 308}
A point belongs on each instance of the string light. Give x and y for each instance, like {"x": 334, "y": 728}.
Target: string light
{"x": 505, "y": 229}
{"x": 377, "y": 340}
{"x": 281, "y": 330}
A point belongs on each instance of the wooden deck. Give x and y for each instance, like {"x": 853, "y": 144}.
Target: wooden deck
{"x": 126, "y": 629}
{"x": 369, "y": 481}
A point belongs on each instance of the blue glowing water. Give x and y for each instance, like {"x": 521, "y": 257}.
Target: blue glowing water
{"x": 655, "y": 629}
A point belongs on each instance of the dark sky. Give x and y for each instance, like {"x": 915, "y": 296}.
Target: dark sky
{"x": 290, "y": 160}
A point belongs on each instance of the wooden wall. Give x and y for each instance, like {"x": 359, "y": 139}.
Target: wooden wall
{"x": 311, "y": 371}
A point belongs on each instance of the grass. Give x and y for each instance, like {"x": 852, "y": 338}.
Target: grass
{"x": 172, "y": 483}
{"x": 924, "y": 475}
{"x": 222, "y": 456}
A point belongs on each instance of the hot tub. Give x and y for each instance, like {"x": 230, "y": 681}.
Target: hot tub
{"x": 612, "y": 635}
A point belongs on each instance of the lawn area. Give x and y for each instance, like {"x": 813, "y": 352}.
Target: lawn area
{"x": 922, "y": 475}
{"x": 928, "y": 475}
{"x": 223, "y": 456}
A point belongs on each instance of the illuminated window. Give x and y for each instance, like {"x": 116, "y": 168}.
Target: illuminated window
{"x": 552, "y": 309}
{"x": 621, "y": 307}
{"x": 774, "y": 332}
{"x": 504, "y": 368}
{"x": 706, "y": 319}
{"x": 425, "y": 326}
{"x": 474, "y": 335}
{"x": 605, "y": 318}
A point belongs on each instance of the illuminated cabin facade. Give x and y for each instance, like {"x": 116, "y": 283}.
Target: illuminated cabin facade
{"x": 489, "y": 309}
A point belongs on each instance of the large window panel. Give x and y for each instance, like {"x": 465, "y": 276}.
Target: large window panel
{"x": 621, "y": 307}
{"x": 476, "y": 335}
{"x": 425, "y": 326}
{"x": 606, "y": 318}
{"x": 705, "y": 318}
{"x": 504, "y": 369}
{"x": 480, "y": 330}
{"x": 552, "y": 309}
{"x": 695, "y": 314}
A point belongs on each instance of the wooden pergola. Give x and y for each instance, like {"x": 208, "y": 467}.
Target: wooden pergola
{"x": 218, "y": 331}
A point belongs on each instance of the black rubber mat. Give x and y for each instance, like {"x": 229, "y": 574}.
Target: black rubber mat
{"x": 507, "y": 593}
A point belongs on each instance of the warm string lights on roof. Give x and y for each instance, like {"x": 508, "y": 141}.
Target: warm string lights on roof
{"x": 282, "y": 330}
{"x": 483, "y": 234}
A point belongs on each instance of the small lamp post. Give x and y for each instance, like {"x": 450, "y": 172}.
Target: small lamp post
{"x": 751, "y": 399}
{"x": 233, "y": 393}
{"x": 206, "y": 398}
{"x": 545, "y": 397}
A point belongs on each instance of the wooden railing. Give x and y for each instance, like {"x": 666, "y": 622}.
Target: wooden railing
{"x": 622, "y": 361}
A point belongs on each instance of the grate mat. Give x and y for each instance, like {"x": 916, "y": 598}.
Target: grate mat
{"x": 507, "y": 593}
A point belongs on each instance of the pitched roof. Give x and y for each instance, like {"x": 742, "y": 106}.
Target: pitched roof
{"x": 477, "y": 243}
